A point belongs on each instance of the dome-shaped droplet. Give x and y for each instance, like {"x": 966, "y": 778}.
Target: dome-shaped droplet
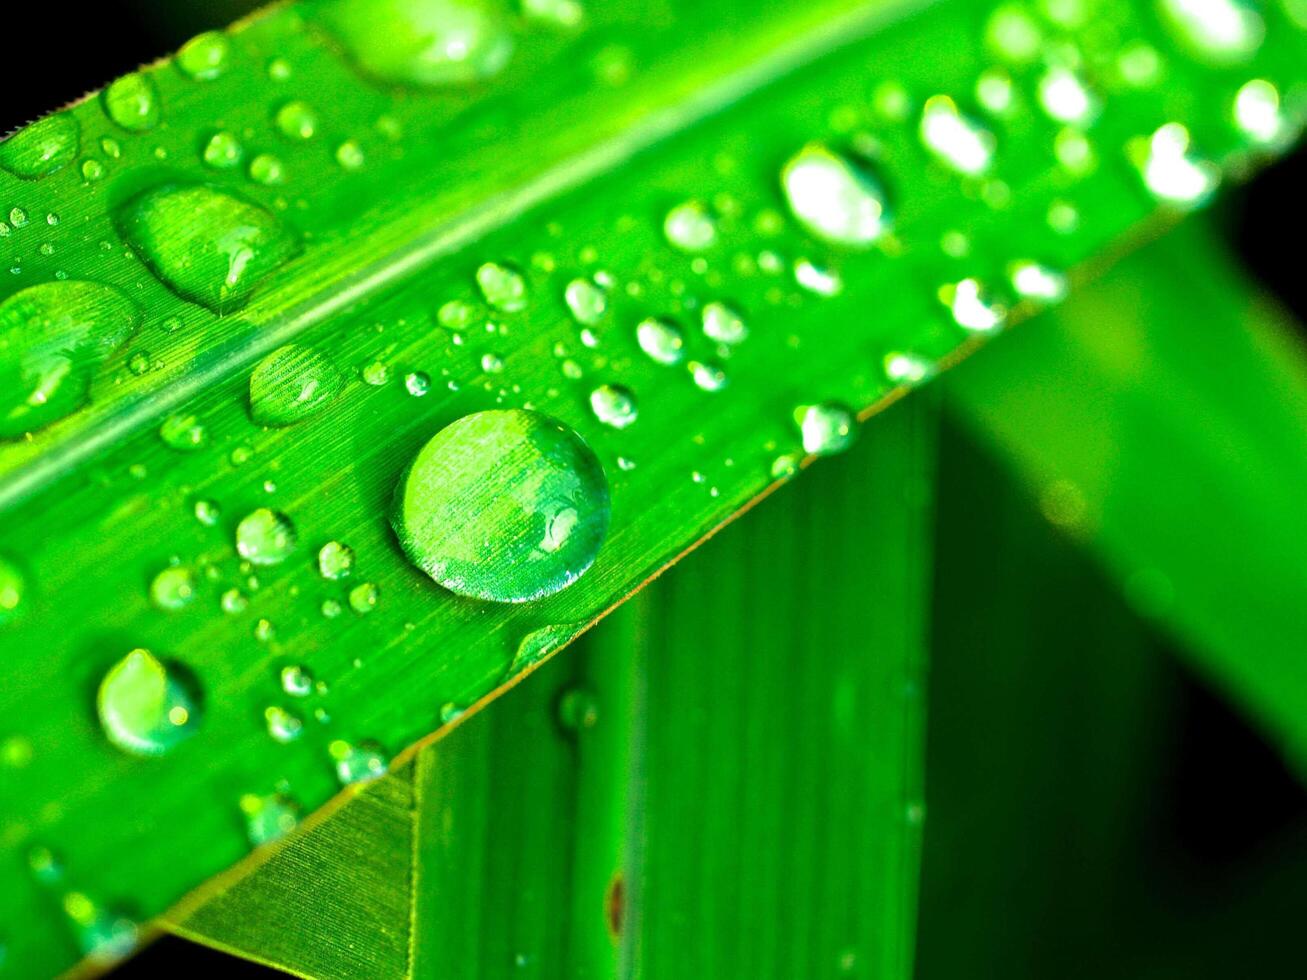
{"x": 147, "y": 706}
{"x": 423, "y": 43}
{"x": 1170, "y": 170}
{"x": 183, "y": 432}
{"x": 205, "y": 56}
{"x": 207, "y": 245}
{"x": 661, "y": 340}
{"x": 587, "y": 300}
{"x": 723, "y": 323}
{"x": 690, "y": 227}
{"x": 826, "y": 429}
{"x": 1220, "y": 32}
{"x": 973, "y": 307}
{"x": 503, "y": 286}
{"x": 41, "y": 148}
{"x": 292, "y": 383}
{"x": 613, "y": 405}
{"x": 132, "y": 102}
{"x": 52, "y": 337}
{"x": 357, "y": 763}
{"x": 956, "y": 140}
{"x": 297, "y": 120}
{"x": 268, "y": 818}
{"x": 335, "y": 560}
{"x": 834, "y": 198}
{"x": 265, "y": 537}
{"x": 173, "y": 588}
{"x": 503, "y": 505}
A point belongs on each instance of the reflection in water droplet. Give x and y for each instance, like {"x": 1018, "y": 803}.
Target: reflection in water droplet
{"x": 506, "y": 506}
{"x": 265, "y": 537}
{"x": 587, "y": 300}
{"x": 223, "y": 151}
{"x": 204, "y": 57}
{"x": 957, "y": 141}
{"x": 707, "y": 376}
{"x": 292, "y": 383}
{"x": 503, "y": 286}
{"x": 183, "y": 432}
{"x": 613, "y": 405}
{"x": 297, "y": 120}
{"x": 132, "y": 102}
{"x": 297, "y": 681}
{"x": 282, "y": 725}
{"x": 146, "y": 706}
{"x": 1257, "y": 112}
{"x": 12, "y": 587}
{"x": 1065, "y": 97}
{"x": 723, "y": 323}
{"x": 1031, "y": 280}
{"x": 267, "y": 169}
{"x": 363, "y": 598}
{"x": 973, "y": 307}
{"x": 661, "y": 340}
{"x": 690, "y": 227}
{"x": 1221, "y": 32}
{"x": 357, "y": 763}
{"x": 52, "y": 337}
{"x": 208, "y": 246}
{"x": 908, "y": 369}
{"x": 104, "y": 937}
{"x": 826, "y": 429}
{"x": 173, "y": 588}
{"x": 41, "y": 148}
{"x": 335, "y": 560}
{"x": 268, "y": 818}
{"x": 817, "y": 279}
{"x": 423, "y": 43}
{"x": 1170, "y": 171}
{"x": 834, "y": 198}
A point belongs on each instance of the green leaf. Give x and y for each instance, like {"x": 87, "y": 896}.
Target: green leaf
{"x": 429, "y": 242}
{"x": 748, "y": 747}
{"x": 1173, "y": 447}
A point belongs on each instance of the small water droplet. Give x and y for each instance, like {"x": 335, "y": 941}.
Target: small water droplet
{"x": 1065, "y": 96}
{"x": 690, "y": 227}
{"x": 41, "y": 148}
{"x": 503, "y": 286}
{"x": 268, "y": 818}
{"x": 417, "y": 383}
{"x": 503, "y": 505}
{"x": 132, "y": 102}
{"x": 723, "y": 323}
{"x": 834, "y": 198}
{"x": 173, "y": 588}
{"x": 233, "y": 602}
{"x": 265, "y": 537}
{"x": 661, "y": 340}
{"x": 357, "y": 763}
{"x": 297, "y": 681}
{"x": 613, "y": 405}
{"x": 207, "y": 512}
{"x": 956, "y": 140}
{"x": 363, "y": 598}
{"x": 292, "y": 383}
{"x": 973, "y": 307}
{"x": 183, "y": 432}
{"x": 104, "y": 937}
{"x": 587, "y": 301}
{"x": 297, "y": 120}
{"x": 908, "y": 369}
{"x": 826, "y": 429}
{"x": 267, "y": 169}
{"x": 561, "y": 13}
{"x": 12, "y": 587}
{"x": 1014, "y": 35}
{"x": 491, "y": 363}
{"x": 350, "y": 156}
{"x": 707, "y": 376}
{"x": 204, "y": 57}
{"x": 375, "y": 374}
{"x": 578, "y": 709}
{"x": 423, "y": 43}
{"x": 1031, "y": 280}
{"x": 92, "y": 170}
{"x": 335, "y": 560}
{"x": 1171, "y": 172}
{"x": 1257, "y": 112}
{"x": 207, "y": 245}
{"x": 146, "y": 706}
{"x": 282, "y": 725}
{"x": 223, "y": 151}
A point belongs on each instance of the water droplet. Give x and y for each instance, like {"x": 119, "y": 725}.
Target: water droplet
{"x": 357, "y": 763}
{"x": 1031, "y": 280}
{"x": 908, "y": 369}
{"x": 690, "y": 227}
{"x": 265, "y": 537}
{"x": 1221, "y": 32}
{"x": 785, "y": 466}
{"x": 12, "y": 587}
{"x": 973, "y": 307}
{"x": 104, "y": 937}
{"x": 1257, "y": 112}
{"x": 661, "y": 339}
{"x": 424, "y": 43}
{"x": 1014, "y": 35}
{"x": 492, "y": 363}
{"x": 613, "y": 405}
{"x": 826, "y": 429}
{"x": 562, "y": 13}
{"x": 92, "y": 170}
{"x": 375, "y": 374}
{"x": 297, "y": 120}
{"x": 417, "y": 383}
{"x": 331, "y": 608}
{"x": 958, "y": 141}
{"x": 506, "y": 506}
{"x": 363, "y": 598}
{"x": 146, "y": 706}
{"x": 266, "y": 169}
{"x": 707, "y": 376}
{"x": 817, "y": 279}
{"x": 233, "y": 602}
{"x": 1066, "y": 98}
{"x": 205, "y": 244}
{"x": 296, "y": 681}
{"x": 503, "y": 286}
{"x": 207, "y": 512}
{"x": 52, "y": 337}
{"x": 173, "y": 588}
{"x": 587, "y": 300}
{"x": 204, "y": 57}
{"x": 335, "y": 560}
{"x": 723, "y": 323}
{"x": 282, "y": 725}
{"x": 268, "y": 818}
{"x": 279, "y": 69}
{"x": 834, "y": 198}
{"x": 350, "y": 155}
{"x": 183, "y": 432}
{"x": 223, "y": 151}
{"x": 578, "y": 709}
{"x": 1170, "y": 172}
{"x": 132, "y": 102}
{"x": 292, "y": 383}
{"x": 41, "y": 148}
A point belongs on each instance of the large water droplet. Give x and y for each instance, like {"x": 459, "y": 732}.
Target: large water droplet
{"x": 265, "y": 537}
{"x": 207, "y": 245}
{"x": 132, "y": 102}
{"x": 292, "y": 383}
{"x": 146, "y": 706}
{"x": 425, "y": 43}
{"x": 1222, "y": 32}
{"x": 956, "y": 140}
{"x": 1257, "y": 113}
{"x": 504, "y": 505}
{"x": 52, "y": 337}
{"x": 41, "y": 148}
{"x": 826, "y": 429}
{"x": 834, "y": 198}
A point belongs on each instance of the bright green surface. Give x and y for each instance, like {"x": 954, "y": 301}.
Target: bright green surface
{"x": 1176, "y": 451}
{"x": 565, "y": 165}
{"x": 727, "y": 812}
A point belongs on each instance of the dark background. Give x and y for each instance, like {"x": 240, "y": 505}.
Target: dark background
{"x": 1227, "y": 800}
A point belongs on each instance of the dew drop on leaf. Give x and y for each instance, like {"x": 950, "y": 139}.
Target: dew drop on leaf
{"x": 265, "y": 537}
{"x": 282, "y": 725}
{"x": 42, "y": 148}
{"x": 207, "y": 245}
{"x": 826, "y": 429}
{"x": 205, "y": 56}
{"x": 613, "y": 405}
{"x": 834, "y": 198}
{"x": 132, "y": 102}
{"x": 661, "y": 340}
{"x": 1220, "y": 32}
{"x": 587, "y": 301}
{"x": 357, "y": 763}
{"x": 147, "y": 706}
{"x": 723, "y": 323}
{"x": 12, "y": 587}
{"x": 297, "y": 120}
{"x": 973, "y": 307}
{"x": 173, "y": 588}
{"x": 335, "y": 560}
{"x": 503, "y": 286}
{"x": 503, "y": 505}
{"x": 268, "y": 818}
{"x": 292, "y": 383}
{"x": 956, "y": 140}
{"x": 690, "y": 227}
